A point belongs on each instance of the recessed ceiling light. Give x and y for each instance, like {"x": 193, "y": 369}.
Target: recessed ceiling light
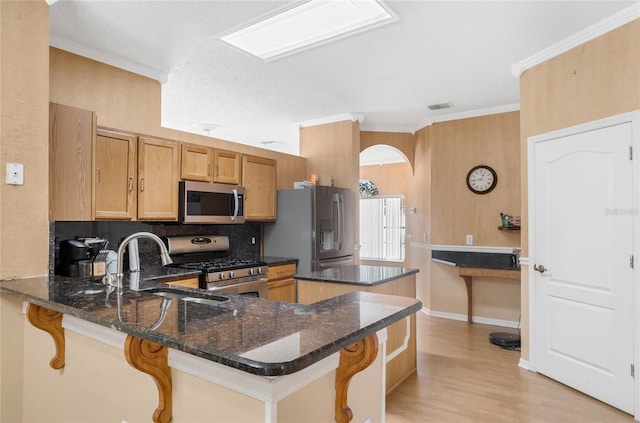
{"x": 310, "y": 24}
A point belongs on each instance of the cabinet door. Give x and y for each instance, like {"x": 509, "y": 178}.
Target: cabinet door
{"x": 71, "y": 139}
{"x": 259, "y": 178}
{"x": 158, "y": 164}
{"x": 115, "y": 175}
{"x": 281, "y": 285}
{"x": 197, "y": 162}
{"x": 226, "y": 167}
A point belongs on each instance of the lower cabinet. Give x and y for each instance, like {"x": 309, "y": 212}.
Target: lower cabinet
{"x": 187, "y": 283}
{"x": 281, "y": 285}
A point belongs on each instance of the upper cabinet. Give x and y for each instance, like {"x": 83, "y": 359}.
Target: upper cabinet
{"x": 71, "y": 139}
{"x": 158, "y": 176}
{"x": 259, "y": 178}
{"x": 208, "y": 165}
{"x": 226, "y": 165}
{"x": 115, "y": 175}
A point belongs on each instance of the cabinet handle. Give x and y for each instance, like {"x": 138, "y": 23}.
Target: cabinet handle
{"x": 130, "y": 184}
{"x": 98, "y": 176}
{"x": 141, "y": 184}
{"x": 217, "y": 170}
{"x": 209, "y": 169}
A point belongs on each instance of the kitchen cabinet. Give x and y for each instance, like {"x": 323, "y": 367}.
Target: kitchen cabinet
{"x": 158, "y": 175}
{"x": 226, "y": 165}
{"x": 259, "y": 178}
{"x": 208, "y": 165}
{"x": 115, "y": 175}
{"x": 281, "y": 285}
{"x": 72, "y": 133}
{"x": 136, "y": 178}
{"x": 197, "y": 162}
{"x": 401, "y": 360}
{"x": 187, "y": 283}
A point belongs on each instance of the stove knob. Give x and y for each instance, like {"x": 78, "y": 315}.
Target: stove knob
{"x": 259, "y": 270}
{"x": 221, "y": 275}
{"x": 252, "y": 271}
{"x": 230, "y": 274}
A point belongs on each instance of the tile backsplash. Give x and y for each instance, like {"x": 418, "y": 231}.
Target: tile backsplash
{"x": 240, "y": 236}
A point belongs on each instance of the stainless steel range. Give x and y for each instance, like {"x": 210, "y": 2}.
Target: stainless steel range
{"x": 220, "y": 273}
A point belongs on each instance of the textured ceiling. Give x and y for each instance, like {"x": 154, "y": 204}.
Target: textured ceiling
{"x": 439, "y": 51}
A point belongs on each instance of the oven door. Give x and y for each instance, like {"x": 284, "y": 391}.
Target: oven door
{"x": 206, "y": 203}
{"x": 249, "y": 286}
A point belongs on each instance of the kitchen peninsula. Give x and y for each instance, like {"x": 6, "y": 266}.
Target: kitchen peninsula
{"x": 212, "y": 357}
{"x": 400, "y": 354}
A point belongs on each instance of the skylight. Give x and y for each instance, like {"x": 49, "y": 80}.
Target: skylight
{"x": 308, "y": 25}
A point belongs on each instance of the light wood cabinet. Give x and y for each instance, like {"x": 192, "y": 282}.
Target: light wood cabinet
{"x": 401, "y": 336}
{"x": 206, "y": 164}
{"x": 187, "y": 283}
{"x": 197, "y": 163}
{"x": 158, "y": 175}
{"x": 72, "y": 134}
{"x": 226, "y": 165}
{"x": 281, "y": 285}
{"x": 115, "y": 175}
{"x": 136, "y": 178}
{"x": 259, "y": 178}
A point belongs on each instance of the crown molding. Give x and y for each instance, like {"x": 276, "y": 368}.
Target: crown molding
{"x": 469, "y": 114}
{"x": 617, "y": 20}
{"x": 109, "y": 59}
{"x": 359, "y": 117}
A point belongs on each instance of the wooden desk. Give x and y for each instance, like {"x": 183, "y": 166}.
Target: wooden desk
{"x": 467, "y": 273}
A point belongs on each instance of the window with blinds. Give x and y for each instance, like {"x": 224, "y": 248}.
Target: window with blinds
{"x": 382, "y": 228}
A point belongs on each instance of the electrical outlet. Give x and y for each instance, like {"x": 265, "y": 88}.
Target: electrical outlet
{"x": 469, "y": 239}
{"x": 15, "y": 174}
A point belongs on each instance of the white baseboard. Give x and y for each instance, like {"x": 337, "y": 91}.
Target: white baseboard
{"x": 474, "y": 319}
{"x": 524, "y": 364}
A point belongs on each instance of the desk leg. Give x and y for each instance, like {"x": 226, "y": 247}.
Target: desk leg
{"x": 467, "y": 282}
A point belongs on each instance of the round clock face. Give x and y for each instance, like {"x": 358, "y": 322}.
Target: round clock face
{"x": 482, "y": 179}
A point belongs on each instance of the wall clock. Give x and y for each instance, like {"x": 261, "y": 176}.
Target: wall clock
{"x": 482, "y": 179}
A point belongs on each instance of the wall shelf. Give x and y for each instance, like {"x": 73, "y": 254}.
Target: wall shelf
{"x": 509, "y": 228}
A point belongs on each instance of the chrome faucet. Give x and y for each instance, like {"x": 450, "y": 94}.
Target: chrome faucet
{"x": 109, "y": 279}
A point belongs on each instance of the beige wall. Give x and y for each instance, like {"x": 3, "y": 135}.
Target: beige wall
{"x": 404, "y": 142}
{"x": 598, "y": 79}
{"x": 127, "y": 101}
{"x": 333, "y": 149}
{"x": 24, "y": 129}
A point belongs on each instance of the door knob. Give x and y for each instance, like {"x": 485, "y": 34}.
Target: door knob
{"x": 540, "y": 268}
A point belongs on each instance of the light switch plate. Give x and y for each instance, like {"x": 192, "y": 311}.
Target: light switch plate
{"x": 15, "y": 174}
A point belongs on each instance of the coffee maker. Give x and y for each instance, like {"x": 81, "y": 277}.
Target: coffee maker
{"x": 75, "y": 258}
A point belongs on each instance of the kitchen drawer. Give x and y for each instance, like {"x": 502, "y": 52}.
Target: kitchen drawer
{"x": 281, "y": 271}
{"x": 188, "y": 283}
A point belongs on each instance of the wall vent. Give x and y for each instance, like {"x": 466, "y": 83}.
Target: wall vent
{"x": 440, "y": 106}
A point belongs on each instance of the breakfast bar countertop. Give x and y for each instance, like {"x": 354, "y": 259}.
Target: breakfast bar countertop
{"x": 358, "y": 274}
{"x": 258, "y": 336}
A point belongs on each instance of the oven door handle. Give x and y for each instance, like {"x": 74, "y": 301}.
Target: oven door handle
{"x": 236, "y": 204}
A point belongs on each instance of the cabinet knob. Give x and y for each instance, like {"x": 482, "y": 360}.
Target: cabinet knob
{"x": 141, "y": 184}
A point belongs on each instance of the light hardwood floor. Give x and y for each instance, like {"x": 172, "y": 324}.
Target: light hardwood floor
{"x": 462, "y": 377}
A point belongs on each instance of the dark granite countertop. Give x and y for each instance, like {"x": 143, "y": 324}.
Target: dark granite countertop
{"x": 358, "y": 274}
{"x": 275, "y": 261}
{"x": 259, "y": 336}
{"x": 502, "y": 261}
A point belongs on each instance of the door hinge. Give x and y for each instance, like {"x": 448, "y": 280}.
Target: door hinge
{"x": 630, "y": 153}
{"x": 633, "y": 370}
{"x": 631, "y": 263}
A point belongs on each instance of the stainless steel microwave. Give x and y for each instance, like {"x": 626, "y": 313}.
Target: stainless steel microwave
{"x": 207, "y": 203}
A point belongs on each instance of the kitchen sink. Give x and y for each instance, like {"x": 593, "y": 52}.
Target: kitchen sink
{"x": 177, "y": 294}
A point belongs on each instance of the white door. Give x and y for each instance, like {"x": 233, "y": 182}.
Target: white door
{"x": 582, "y": 243}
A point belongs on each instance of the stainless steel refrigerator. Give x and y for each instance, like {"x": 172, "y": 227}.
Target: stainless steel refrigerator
{"x": 314, "y": 225}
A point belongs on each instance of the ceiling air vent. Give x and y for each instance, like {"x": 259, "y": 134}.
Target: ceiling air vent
{"x": 440, "y": 106}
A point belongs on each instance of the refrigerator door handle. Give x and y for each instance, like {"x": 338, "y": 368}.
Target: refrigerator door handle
{"x": 337, "y": 230}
